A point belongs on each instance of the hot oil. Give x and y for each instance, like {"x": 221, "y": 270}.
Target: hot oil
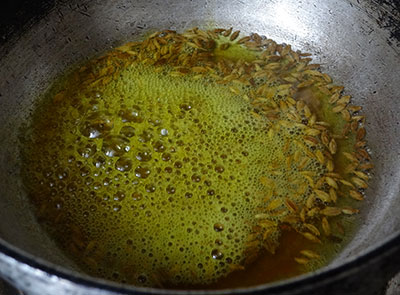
{"x": 166, "y": 163}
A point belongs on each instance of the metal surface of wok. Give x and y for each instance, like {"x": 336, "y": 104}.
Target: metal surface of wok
{"x": 356, "y": 42}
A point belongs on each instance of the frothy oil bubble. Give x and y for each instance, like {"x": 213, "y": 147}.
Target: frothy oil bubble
{"x": 162, "y": 177}
{"x": 184, "y": 173}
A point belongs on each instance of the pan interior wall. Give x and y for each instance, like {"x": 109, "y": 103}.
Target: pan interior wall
{"x": 343, "y": 38}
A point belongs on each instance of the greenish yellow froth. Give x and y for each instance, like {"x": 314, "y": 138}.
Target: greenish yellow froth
{"x": 181, "y": 172}
{"x": 203, "y": 152}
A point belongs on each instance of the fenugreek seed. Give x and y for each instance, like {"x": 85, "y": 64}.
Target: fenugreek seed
{"x": 291, "y": 100}
{"x": 313, "y": 212}
{"x": 333, "y": 195}
{"x": 307, "y": 112}
{"x": 350, "y": 211}
{"x": 325, "y": 226}
{"x": 311, "y": 66}
{"x": 313, "y": 73}
{"x": 301, "y": 260}
{"x": 303, "y": 215}
{"x": 354, "y": 126}
{"x": 366, "y": 166}
{"x": 346, "y": 129}
{"x": 261, "y": 216}
{"x": 360, "y": 134}
{"x": 331, "y": 211}
{"x": 332, "y": 146}
{"x": 176, "y": 74}
{"x": 324, "y": 196}
{"x": 360, "y": 144}
{"x": 300, "y": 105}
{"x": 354, "y": 108}
{"x": 322, "y": 123}
{"x": 273, "y": 66}
{"x": 340, "y": 228}
{"x": 198, "y": 77}
{"x": 224, "y": 46}
{"x": 218, "y": 30}
{"x": 265, "y": 223}
{"x": 311, "y": 238}
{"x": 234, "y": 90}
{"x": 308, "y": 173}
{"x": 233, "y": 267}
{"x": 358, "y": 118}
{"x": 234, "y": 35}
{"x": 199, "y": 69}
{"x": 253, "y": 244}
{"x": 132, "y": 53}
{"x": 283, "y": 105}
{"x": 294, "y": 117}
{"x": 212, "y": 35}
{"x": 243, "y": 40}
{"x": 274, "y": 204}
{"x": 334, "y": 98}
{"x": 339, "y": 108}
{"x": 291, "y": 205}
{"x": 331, "y": 182}
{"x": 303, "y": 188}
{"x": 312, "y": 132}
{"x": 319, "y": 183}
{"x": 333, "y": 175}
{"x": 290, "y": 79}
{"x": 312, "y": 228}
{"x": 335, "y": 88}
{"x": 344, "y": 99}
{"x": 310, "y": 140}
{"x": 363, "y": 154}
{"x": 330, "y": 166}
{"x": 362, "y": 175}
{"x": 227, "y": 32}
{"x": 312, "y": 120}
{"x": 327, "y": 78}
{"x": 325, "y": 138}
{"x": 359, "y": 182}
{"x": 295, "y": 56}
{"x": 346, "y": 115}
{"x": 310, "y": 201}
{"x": 320, "y": 157}
{"x": 349, "y": 156}
{"x": 194, "y": 45}
{"x": 310, "y": 254}
{"x": 267, "y": 233}
{"x": 305, "y": 84}
{"x": 296, "y": 156}
{"x": 356, "y": 195}
{"x": 285, "y": 124}
{"x": 346, "y": 183}
{"x": 303, "y": 163}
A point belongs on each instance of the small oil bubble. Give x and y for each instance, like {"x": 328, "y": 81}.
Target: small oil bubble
{"x": 123, "y": 164}
{"x": 218, "y": 227}
{"x": 216, "y": 254}
{"x": 127, "y": 131}
{"x": 143, "y": 156}
{"x": 142, "y": 172}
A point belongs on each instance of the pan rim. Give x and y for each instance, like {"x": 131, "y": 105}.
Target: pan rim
{"x": 321, "y": 276}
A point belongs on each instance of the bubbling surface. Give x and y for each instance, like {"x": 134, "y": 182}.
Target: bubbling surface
{"x": 152, "y": 177}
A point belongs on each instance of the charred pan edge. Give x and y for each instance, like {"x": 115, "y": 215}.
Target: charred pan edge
{"x": 386, "y": 13}
{"x": 18, "y": 16}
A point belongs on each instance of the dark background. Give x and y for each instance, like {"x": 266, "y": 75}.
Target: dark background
{"x": 16, "y": 14}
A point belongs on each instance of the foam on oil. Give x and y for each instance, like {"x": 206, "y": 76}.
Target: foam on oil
{"x": 153, "y": 180}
